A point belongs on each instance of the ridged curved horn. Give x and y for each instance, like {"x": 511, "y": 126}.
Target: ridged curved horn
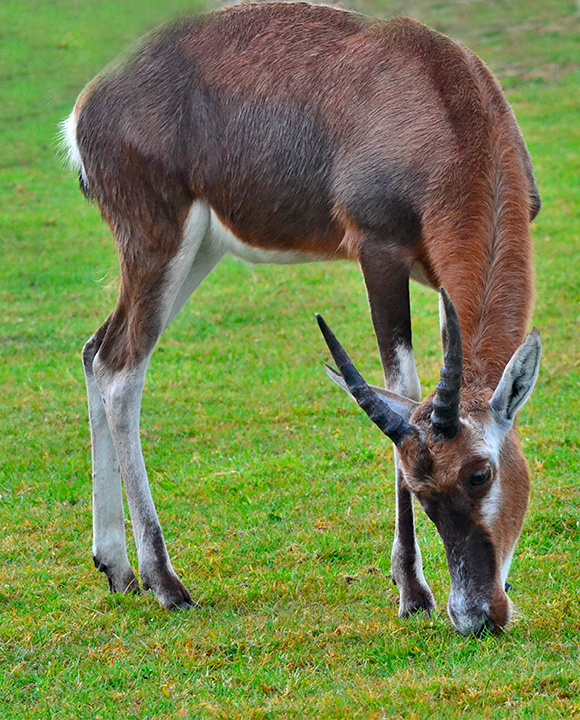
{"x": 387, "y": 420}
{"x": 445, "y": 415}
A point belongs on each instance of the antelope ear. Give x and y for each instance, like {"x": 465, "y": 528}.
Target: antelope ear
{"x": 401, "y": 405}
{"x": 517, "y": 381}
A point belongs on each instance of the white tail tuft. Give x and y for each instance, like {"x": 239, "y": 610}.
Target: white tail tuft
{"x": 68, "y": 143}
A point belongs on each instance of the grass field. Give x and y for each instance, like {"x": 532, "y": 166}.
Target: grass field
{"x": 275, "y": 494}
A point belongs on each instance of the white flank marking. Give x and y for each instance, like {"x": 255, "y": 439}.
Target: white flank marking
{"x": 178, "y": 285}
{"x": 254, "y": 255}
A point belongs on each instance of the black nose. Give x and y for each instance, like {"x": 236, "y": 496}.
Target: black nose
{"x": 480, "y": 624}
{"x": 488, "y": 627}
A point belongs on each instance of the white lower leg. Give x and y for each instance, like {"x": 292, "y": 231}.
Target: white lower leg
{"x": 406, "y": 561}
{"x": 109, "y": 543}
{"x": 122, "y": 394}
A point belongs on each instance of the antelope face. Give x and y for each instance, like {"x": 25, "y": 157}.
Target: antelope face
{"x": 459, "y": 455}
{"x": 475, "y": 489}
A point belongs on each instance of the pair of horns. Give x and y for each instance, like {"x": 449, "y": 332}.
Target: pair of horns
{"x": 445, "y": 415}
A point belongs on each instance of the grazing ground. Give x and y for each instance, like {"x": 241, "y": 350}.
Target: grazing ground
{"x": 275, "y": 493}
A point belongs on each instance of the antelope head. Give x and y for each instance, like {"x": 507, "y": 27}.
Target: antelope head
{"x": 459, "y": 455}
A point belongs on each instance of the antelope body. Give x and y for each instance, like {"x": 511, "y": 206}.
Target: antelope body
{"x": 289, "y": 132}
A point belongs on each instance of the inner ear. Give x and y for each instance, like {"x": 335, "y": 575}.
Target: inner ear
{"x": 400, "y": 404}
{"x": 518, "y": 380}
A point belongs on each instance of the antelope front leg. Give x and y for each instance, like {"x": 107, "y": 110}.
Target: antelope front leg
{"x": 386, "y": 274}
{"x": 406, "y": 562}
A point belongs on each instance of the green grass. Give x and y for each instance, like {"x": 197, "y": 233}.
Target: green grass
{"x": 275, "y": 495}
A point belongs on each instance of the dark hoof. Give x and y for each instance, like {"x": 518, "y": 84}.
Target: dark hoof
{"x": 123, "y": 582}
{"x": 180, "y": 599}
{"x": 170, "y": 592}
{"x": 508, "y": 586}
{"x": 418, "y": 600}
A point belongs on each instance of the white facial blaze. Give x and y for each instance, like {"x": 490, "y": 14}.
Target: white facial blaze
{"x": 493, "y": 436}
{"x": 469, "y": 606}
{"x": 491, "y": 505}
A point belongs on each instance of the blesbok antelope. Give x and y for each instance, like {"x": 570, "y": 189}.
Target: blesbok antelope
{"x": 287, "y": 132}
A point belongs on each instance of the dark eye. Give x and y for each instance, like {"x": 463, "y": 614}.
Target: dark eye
{"x": 480, "y": 478}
